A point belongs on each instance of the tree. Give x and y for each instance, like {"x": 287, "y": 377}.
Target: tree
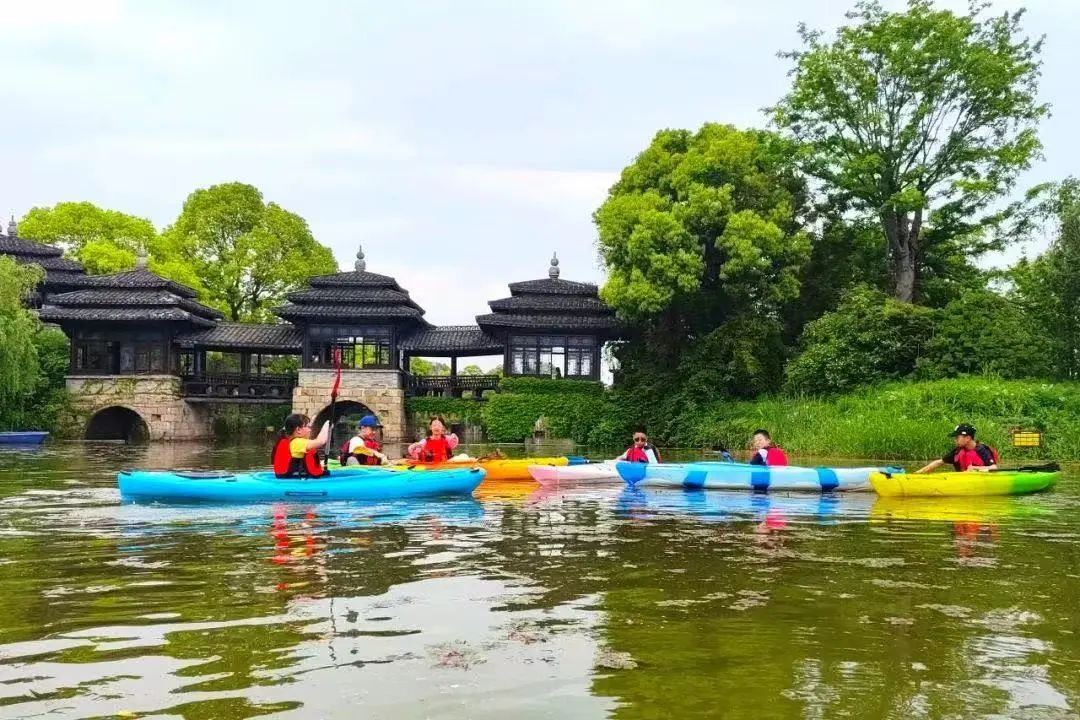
{"x": 471, "y": 370}
{"x": 923, "y": 120}
{"x": 420, "y": 366}
{"x": 1049, "y": 286}
{"x": 19, "y": 369}
{"x": 248, "y": 253}
{"x": 869, "y": 338}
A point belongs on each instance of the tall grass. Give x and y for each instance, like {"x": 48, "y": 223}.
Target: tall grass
{"x": 904, "y": 420}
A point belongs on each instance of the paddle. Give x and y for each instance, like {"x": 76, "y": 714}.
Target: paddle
{"x": 333, "y": 405}
{"x": 1046, "y": 467}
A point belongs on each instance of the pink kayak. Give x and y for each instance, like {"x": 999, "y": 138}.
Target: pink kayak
{"x": 590, "y": 472}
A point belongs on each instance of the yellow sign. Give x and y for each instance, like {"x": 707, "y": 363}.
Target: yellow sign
{"x": 1026, "y": 439}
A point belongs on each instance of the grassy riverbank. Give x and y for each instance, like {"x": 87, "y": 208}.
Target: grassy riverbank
{"x": 902, "y": 420}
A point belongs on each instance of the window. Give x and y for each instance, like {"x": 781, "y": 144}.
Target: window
{"x": 360, "y": 347}
{"x": 554, "y": 356}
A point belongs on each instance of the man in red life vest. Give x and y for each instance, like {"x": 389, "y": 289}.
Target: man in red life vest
{"x": 363, "y": 448}
{"x": 766, "y": 452}
{"x": 967, "y": 455}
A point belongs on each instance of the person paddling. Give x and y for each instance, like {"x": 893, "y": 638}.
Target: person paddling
{"x": 641, "y": 451}
{"x": 968, "y": 454}
{"x": 766, "y": 452}
{"x": 362, "y": 448}
{"x": 437, "y": 446}
{"x": 295, "y": 453}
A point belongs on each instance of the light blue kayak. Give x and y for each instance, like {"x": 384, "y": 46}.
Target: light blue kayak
{"x": 262, "y": 486}
{"x": 733, "y": 476}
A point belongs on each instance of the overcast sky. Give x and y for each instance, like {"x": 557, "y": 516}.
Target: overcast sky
{"x": 461, "y": 142}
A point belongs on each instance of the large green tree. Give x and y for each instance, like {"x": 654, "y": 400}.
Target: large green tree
{"x": 106, "y": 241}
{"x": 704, "y": 243}
{"x": 922, "y": 119}
{"x": 1049, "y": 286}
{"x": 247, "y": 252}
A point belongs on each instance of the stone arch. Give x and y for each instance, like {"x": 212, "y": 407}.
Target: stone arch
{"x": 342, "y": 409}
{"x": 117, "y": 422}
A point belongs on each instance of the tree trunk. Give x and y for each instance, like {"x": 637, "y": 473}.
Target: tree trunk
{"x": 902, "y": 234}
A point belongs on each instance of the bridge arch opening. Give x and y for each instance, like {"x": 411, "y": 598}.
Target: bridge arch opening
{"x": 117, "y": 423}
{"x": 346, "y": 414}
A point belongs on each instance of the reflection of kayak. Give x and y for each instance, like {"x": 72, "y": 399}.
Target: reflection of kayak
{"x": 946, "y": 509}
{"x": 731, "y": 476}
{"x": 500, "y": 469}
{"x": 370, "y": 484}
{"x": 1001, "y": 482}
{"x": 505, "y": 490}
{"x": 726, "y": 506}
{"x": 589, "y": 472}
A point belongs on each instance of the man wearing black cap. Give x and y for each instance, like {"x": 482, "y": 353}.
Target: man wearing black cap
{"x": 967, "y": 455}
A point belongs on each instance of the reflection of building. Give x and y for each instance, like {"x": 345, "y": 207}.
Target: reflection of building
{"x": 148, "y": 357}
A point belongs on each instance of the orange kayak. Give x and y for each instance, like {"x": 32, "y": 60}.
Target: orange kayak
{"x": 499, "y": 470}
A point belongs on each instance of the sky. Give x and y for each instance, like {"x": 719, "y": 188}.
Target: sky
{"x": 460, "y": 142}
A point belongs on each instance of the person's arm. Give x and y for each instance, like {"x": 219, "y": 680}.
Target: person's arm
{"x": 452, "y": 441}
{"x": 987, "y": 457}
{"x": 931, "y": 466}
{"x": 623, "y": 456}
{"x": 415, "y": 448}
{"x": 322, "y": 438}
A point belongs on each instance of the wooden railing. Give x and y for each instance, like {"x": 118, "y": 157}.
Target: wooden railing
{"x": 239, "y": 387}
{"x": 451, "y": 386}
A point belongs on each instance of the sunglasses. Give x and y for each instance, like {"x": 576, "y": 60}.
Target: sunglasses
{"x": 641, "y": 439}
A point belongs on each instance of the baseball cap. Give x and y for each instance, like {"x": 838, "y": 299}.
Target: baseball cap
{"x": 369, "y": 421}
{"x": 964, "y": 429}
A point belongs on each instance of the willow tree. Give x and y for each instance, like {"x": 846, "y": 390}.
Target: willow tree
{"x": 922, "y": 119}
{"x": 18, "y": 331}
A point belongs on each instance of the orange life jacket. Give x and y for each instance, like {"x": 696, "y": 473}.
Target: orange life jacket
{"x": 286, "y": 466}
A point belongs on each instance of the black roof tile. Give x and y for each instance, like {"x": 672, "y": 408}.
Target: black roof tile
{"x": 246, "y": 336}
{"x": 553, "y": 287}
{"x": 56, "y": 314}
{"x": 351, "y": 294}
{"x": 354, "y": 277}
{"x": 20, "y": 246}
{"x": 456, "y": 339}
{"x": 550, "y": 303}
{"x": 367, "y": 312}
{"x": 548, "y": 322}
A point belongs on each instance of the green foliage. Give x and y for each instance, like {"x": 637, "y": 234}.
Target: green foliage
{"x": 230, "y": 421}
{"x": 1049, "y": 286}
{"x": 570, "y": 408}
{"x": 81, "y": 227}
{"x": 420, "y": 366}
{"x": 924, "y": 119}
{"x": 248, "y": 253}
{"x": 453, "y": 409}
{"x": 983, "y": 333}
{"x": 902, "y": 420}
{"x": 870, "y": 338}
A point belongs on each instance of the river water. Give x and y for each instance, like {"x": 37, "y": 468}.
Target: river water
{"x": 583, "y": 603}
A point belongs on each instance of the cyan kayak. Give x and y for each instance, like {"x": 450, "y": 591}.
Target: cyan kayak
{"x": 733, "y": 476}
{"x": 259, "y": 486}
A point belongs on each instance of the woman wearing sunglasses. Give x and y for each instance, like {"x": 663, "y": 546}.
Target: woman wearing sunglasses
{"x": 641, "y": 451}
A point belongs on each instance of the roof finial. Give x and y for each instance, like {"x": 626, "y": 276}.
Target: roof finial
{"x": 141, "y": 259}
{"x": 360, "y": 264}
{"x": 553, "y": 271}
{"x": 12, "y": 227}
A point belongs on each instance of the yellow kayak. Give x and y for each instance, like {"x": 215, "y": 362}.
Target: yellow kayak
{"x": 962, "y": 484}
{"x": 499, "y": 469}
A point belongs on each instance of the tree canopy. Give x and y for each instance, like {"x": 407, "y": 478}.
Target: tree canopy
{"x": 921, "y": 119}
{"x": 247, "y": 252}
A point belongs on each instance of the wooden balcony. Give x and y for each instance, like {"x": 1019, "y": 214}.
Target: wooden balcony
{"x": 450, "y": 385}
{"x": 239, "y": 388}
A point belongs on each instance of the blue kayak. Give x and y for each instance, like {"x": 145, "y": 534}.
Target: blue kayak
{"x": 24, "y": 437}
{"x": 263, "y": 485}
{"x": 734, "y": 476}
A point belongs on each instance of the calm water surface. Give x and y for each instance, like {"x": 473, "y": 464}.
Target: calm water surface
{"x": 583, "y": 603}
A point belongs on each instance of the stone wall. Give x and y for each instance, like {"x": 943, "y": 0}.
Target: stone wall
{"x": 381, "y": 391}
{"x": 155, "y": 398}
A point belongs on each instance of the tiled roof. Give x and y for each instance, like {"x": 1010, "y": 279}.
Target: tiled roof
{"x": 55, "y": 263}
{"x": 351, "y": 294}
{"x": 19, "y": 246}
{"x": 355, "y": 277}
{"x": 550, "y": 303}
{"x": 553, "y": 287}
{"x": 142, "y": 278}
{"x": 548, "y": 322}
{"x": 108, "y": 297}
{"x": 68, "y": 279}
{"x": 364, "y": 312}
{"x": 457, "y": 339}
{"x": 245, "y": 336}
{"x": 56, "y": 314}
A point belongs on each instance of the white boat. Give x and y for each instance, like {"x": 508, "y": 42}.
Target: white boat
{"x": 549, "y": 475}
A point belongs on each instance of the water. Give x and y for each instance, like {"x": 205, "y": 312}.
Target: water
{"x": 578, "y": 604}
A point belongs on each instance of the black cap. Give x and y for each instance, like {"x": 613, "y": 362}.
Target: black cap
{"x": 964, "y": 429}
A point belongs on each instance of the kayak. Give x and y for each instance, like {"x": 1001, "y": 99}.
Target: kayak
{"x": 503, "y": 469}
{"x": 263, "y": 485}
{"x": 589, "y": 472}
{"x": 23, "y": 437}
{"x": 736, "y": 476}
{"x": 967, "y": 484}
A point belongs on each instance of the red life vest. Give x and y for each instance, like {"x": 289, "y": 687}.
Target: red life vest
{"x": 286, "y": 466}
{"x": 965, "y": 458}
{"x": 436, "y": 450}
{"x": 369, "y": 443}
{"x": 775, "y": 456}
{"x": 636, "y": 454}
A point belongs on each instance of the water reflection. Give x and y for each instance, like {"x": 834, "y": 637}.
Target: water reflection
{"x": 570, "y": 602}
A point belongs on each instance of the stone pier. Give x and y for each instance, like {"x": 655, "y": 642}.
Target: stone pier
{"x": 382, "y": 392}
{"x": 112, "y": 407}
